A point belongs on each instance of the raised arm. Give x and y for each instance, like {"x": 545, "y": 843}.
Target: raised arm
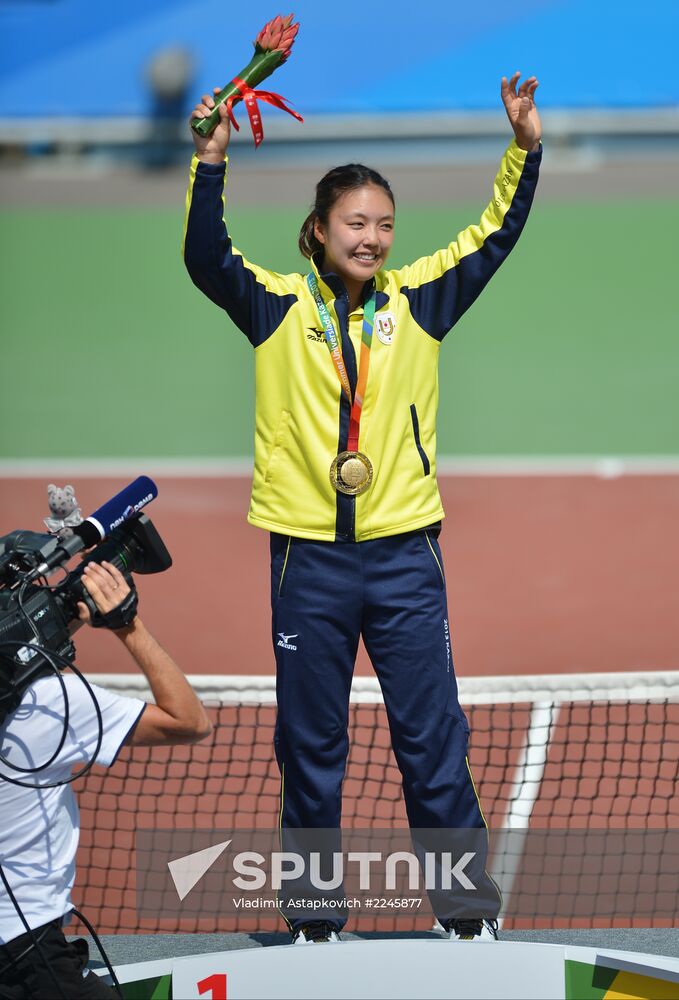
{"x": 522, "y": 112}
{"x": 178, "y": 715}
{"x": 257, "y": 300}
{"x": 211, "y": 148}
{"x": 441, "y": 287}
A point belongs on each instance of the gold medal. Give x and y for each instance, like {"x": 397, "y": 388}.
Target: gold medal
{"x": 351, "y": 472}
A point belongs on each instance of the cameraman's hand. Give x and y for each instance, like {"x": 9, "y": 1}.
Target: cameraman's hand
{"x": 107, "y": 587}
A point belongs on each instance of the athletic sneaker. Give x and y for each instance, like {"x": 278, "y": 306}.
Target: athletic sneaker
{"x": 472, "y": 930}
{"x": 317, "y": 932}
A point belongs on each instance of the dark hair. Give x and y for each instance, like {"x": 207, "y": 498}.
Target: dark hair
{"x": 330, "y": 189}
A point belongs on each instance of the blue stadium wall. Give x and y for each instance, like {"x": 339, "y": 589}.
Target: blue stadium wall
{"x": 68, "y": 58}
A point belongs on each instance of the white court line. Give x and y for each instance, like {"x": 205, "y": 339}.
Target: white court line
{"x": 599, "y": 466}
{"x": 508, "y": 846}
{"x": 104, "y": 468}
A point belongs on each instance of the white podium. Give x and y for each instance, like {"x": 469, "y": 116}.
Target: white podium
{"x": 407, "y": 970}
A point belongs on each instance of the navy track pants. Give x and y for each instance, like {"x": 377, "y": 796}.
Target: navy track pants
{"x": 391, "y": 591}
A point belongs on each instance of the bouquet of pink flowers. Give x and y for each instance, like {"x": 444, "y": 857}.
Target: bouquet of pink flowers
{"x": 272, "y": 47}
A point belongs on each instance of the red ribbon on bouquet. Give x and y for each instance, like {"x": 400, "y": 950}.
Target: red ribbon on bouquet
{"x": 250, "y": 97}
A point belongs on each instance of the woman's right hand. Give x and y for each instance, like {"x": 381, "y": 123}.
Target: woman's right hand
{"x": 211, "y": 148}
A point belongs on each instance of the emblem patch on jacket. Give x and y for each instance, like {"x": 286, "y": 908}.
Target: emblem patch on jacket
{"x": 385, "y": 324}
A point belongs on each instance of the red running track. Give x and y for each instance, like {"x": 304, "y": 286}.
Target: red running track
{"x": 551, "y": 574}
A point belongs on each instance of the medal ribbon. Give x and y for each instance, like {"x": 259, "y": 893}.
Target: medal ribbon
{"x": 335, "y": 349}
{"x": 250, "y": 97}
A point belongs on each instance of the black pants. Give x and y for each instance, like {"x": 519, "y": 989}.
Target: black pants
{"x": 23, "y": 975}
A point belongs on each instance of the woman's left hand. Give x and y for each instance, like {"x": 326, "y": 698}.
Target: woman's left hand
{"x": 521, "y": 111}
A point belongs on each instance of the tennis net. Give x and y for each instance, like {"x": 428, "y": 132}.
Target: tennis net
{"x": 566, "y": 756}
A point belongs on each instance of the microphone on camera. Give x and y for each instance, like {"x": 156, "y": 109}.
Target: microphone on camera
{"x": 115, "y": 511}
{"x": 105, "y": 519}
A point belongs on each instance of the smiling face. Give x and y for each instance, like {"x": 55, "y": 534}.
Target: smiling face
{"x": 358, "y": 235}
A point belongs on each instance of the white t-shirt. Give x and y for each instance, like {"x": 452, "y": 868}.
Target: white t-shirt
{"x": 40, "y": 828}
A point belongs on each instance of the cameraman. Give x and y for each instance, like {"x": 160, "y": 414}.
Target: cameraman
{"x": 39, "y": 828}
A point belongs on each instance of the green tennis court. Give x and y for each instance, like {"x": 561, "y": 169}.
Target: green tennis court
{"x": 110, "y": 351}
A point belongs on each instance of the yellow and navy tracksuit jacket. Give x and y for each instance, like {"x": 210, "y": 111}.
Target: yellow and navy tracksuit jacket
{"x": 302, "y": 416}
